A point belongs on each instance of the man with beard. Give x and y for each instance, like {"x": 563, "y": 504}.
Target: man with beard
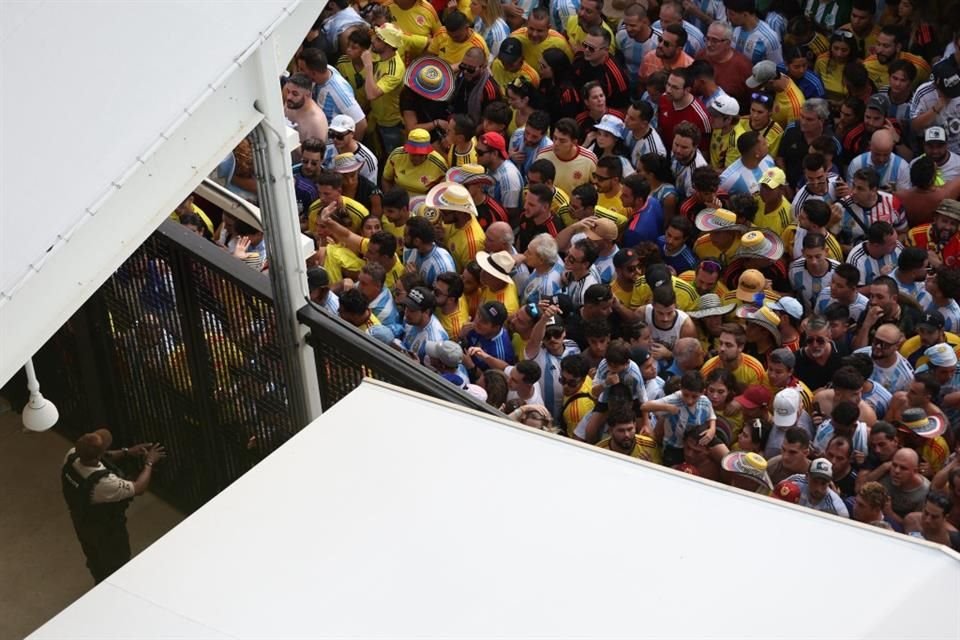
{"x": 623, "y": 437}
{"x": 816, "y": 492}
{"x": 884, "y": 308}
{"x": 475, "y": 88}
{"x": 731, "y": 68}
{"x": 589, "y": 15}
{"x": 686, "y": 157}
{"x": 890, "y": 43}
{"x": 890, "y": 369}
{"x": 305, "y": 179}
{"x": 946, "y": 161}
{"x": 635, "y": 39}
{"x": 867, "y": 205}
{"x": 746, "y": 369}
{"x": 818, "y": 358}
{"x": 300, "y": 109}
{"x": 940, "y": 238}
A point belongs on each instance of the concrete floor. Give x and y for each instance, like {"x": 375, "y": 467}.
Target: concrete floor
{"x": 40, "y": 559}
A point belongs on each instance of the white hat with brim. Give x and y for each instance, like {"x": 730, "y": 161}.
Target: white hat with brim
{"x": 756, "y": 316}
{"x": 500, "y": 265}
{"x": 717, "y": 220}
{"x": 451, "y": 196}
{"x": 710, "y": 304}
{"x": 760, "y": 244}
{"x": 748, "y": 464}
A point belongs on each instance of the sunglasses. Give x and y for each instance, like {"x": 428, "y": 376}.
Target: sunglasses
{"x": 843, "y": 33}
{"x": 467, "y": 68}
{"x": 762, "y": 98}
{"x": 338, "y": 136}
{"x": 711, "y": 266}
{"x": 567, "y": 381}
{"x": 877, "y": 342}
{"x": 590, "y": 47}
{"x": 600, "y": 178}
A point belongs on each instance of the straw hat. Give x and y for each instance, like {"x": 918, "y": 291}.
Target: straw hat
{"x": 346, "y": 163}
{"x": 470, "y": 174}
{"x": 748, "y": 464}
{"x": 717, "y": 220}
{"x": 763, "y": 316}
{"x": 450, "y": 196}
{"x": 499, "y": 265}
{"x": 710, "y": 304}
{"x": 391, "y": 34}
{"x": 760, "y": 244}
{"x": 430, "y": 77}
{"x": 418, "y": 207}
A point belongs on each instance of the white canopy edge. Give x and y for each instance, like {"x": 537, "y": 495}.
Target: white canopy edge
{"x": 394, "y": 515}
{"x": 39, "y": 294}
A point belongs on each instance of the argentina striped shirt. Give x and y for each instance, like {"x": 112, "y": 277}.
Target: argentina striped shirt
{"x": 806, "y": 285}
{"x": 760, "y": 43}
{"x": 335, "y": 96}
{"x": 896, "y": 377}
{"x": 870, "y": 267}
{"x": 431, "y": 264}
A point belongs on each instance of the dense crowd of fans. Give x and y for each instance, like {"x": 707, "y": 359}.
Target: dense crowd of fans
{"x": 717, "y": 235}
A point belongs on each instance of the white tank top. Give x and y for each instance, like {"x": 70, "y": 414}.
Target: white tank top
{"x": 666, "y": 337}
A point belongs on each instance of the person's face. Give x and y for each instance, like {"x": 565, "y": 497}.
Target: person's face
{"x": 884, "y": 344}
{"x": 342, "y": 140}
{"x": 471, "y": 67}
{"x": 568, "y": 381}
{"x": 863, "y": 511}
{"x": 838, "y": 330}
{"x": 515, "y": 381}
{"x": 901, "y": 468}
{"x": 880, "y": 155}
{"x": 797, "y": 67}
{"x": 485, "y": 328}
{"x": 873, "y": 120}
{"x": 606, "y": 141}
{"x": 676, "y": 90}
{"x": 459, "y": 35}
{"x": 370, "y": 227}
{"x": 577, "y": 210}
{"x": 712, "y": 325}
{"x": 690, "y": 398}
{"x": 886, "y": 48}
{"x": 882, "y": 446}
{"x": 794, "y": 457}
{"x": 589, "y": 13}
{"x": 470, "y": 283}
{"x": 311, "y": 164}
{"x": 917, "y": 394}
{"x": 818, "y": 342}
{"x": 664, "y": 315}
{"x": 736, "y": 18}
{"x": 810, "y": 123}
{"x": 563, "y": 144}
{"x": 368, "y": 287}
{"x": 516, "y": 101}
{"x": 673, "y": 239}
{"x": 546, "y": 72}
{"x": 816, "y": 180}
{"x": 413, "y": 317}
{"x": 532, "y": 207}
{"x": 350, "y": 181}
{"x": 683, "y": 148}
{"x": 770, "y": 196}
{"x": 417, "y": 159}
{"x": 377, "y": 45}
{"x": 594, "y": 51}
{"x": 354, "y": 51}
{"x": 817, "y": 488}
{"x": 863, "y": 195}
{"x": 816, "y": 259}
{"x": 717, "y": 394}
{"x": 880, "y": 297}
{"x": 495, "y": 242}
{"x": 624, "y": 435}
{"x": 601, "y": 179}
{"x": 441, "y": 290}
{"x": 759, "y": 116}
{"x": 649, "y": 369}
{"x": 598, "y": 345}
{"x": 946, "y": 227}
{"x": 779, "y": 375}
{"x": 744, "y": 440}
{"x": 900, "y": 84}
{"x": 296, "y": 96}
{"x": 838, "y": 453}
{"x": 537, "y": 29}
{"x": 634, "y": 26}
{"x": 532, "y": 136}
{"x": 932, "y": 518}
{"x": 717, "y": 121}
{"x": 840, "y": 51}
{"x": 668, "y": 49}
{"x": 693, "y": 452}
{"x": 628, "y": 271}
{"x": 633, "y": 121}
{"x": 576, "y": 263}
{"x": 717, "y": 42}
{"x": 596, "y": 100}
{"x": 553, "y": 339}
{"x": 727, "y": 347}
{"x": 861, "y": 21}
{"x": 705, "y": 281}
{"x": 328, "y": 194}
{"x": 937, "y": 151}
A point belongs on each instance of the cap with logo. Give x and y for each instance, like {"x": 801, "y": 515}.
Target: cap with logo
{"x": 419, "y": 299}
{"x": 763, "y": 72}
{"x": 342, "y": 123}
{"x": 786, "y": 407}
{"x": 725, "y": 105}
{"x": 821, "y": 468}
{"x": 788, "y": 491}
{"x": 879, "y": 102}
{"x": 511, "y": 50}
{"x": 935, "y": 134}
{"x": 597, "y": 294}
{"x": 932, "y": 321}
{"x": 493, "y": 311}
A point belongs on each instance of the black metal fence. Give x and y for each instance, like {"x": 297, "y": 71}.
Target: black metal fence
{"x": 180, "y": 346}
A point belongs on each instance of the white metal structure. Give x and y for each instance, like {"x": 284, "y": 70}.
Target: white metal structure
{"x": 111, "y": 113}
{"x": 397, "y": 516}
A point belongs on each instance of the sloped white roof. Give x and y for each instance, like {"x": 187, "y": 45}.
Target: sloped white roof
{"x": 396, "y": 516}
{"x": 111, "y": 113}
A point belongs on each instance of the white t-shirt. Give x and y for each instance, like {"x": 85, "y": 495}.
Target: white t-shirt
{"x": 110, "y": 488}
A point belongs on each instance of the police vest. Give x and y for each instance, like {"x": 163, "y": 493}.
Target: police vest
{"x": 78, "y": 492}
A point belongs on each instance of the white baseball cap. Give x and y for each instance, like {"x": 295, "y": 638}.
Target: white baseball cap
{"x": 725, "y": 105}
{"x": 935, "y": 134}
{"x": 786, "y": 407}
{"x": 342, "y": 123}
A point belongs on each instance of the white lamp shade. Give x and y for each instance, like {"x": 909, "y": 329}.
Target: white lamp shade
{"x": 40, "y": 414}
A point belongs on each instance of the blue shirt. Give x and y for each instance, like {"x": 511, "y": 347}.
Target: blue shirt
{"x": 646, "y": 225}
{"x": 507, "y": 185}
{"x": 415, "y": 339}
{"x": 681, "y": 261}
{"x": 432, "y": 264}
{"x": 542, "y": 285}
{"x": 387, "y": 313}
{"x": 499, "y": 347}
{"x": 674, "y": 426}
{"x": 810, "y": 84}
{"x": 737, "y": 178}
{"x": 633, "y": 51}
{"x": 335, "y": 96}
{"x": 530, "y": 153}
{"x": 762, "y": 43}
{"x": 695, "y": 39}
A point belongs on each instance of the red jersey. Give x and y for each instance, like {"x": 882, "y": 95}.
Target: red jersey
{"x": 668, "y": 118}
{"x": 948, "y": 252}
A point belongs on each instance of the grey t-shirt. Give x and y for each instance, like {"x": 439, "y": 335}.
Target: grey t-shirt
{"x": 905, "y": 502}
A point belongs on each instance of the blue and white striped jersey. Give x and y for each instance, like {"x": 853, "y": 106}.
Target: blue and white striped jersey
{"x": 387, "y": 313}
{"x": 894, "y": 378}
{"x": 739, "y": 179}
{"x": 887, "y": 208}
{"x": 507, "y": 186}
{"x": 878, "y": 398}
{"x": 494, "y": 35}
{"x": 561, "y": 11}
{"x": 550, "y": 388}
{"x": 925, "y": 98}
{"x": 631, "y": 377}
{"x": 674, "y": 426}
{"x": 916, "y": 290}
{"x": 807, "y": 286}
{"x": 650, "y": 143}
{"x": 438, "y": 260}
{"x": 332, "y": 303}
{"x": 539, "y": 286}
{"x": 604, "y": 266}
{"x": 894, "y": 175}
{"x": 869, "y": 266}
{"x": 831, "y": 503}
{"x": 950, "y": 313}
{"x": 778, "y": 23}
{"x": 714, "y": 9}
{"x": 683, "y": 174}
{"x": 825, "y": 432}
{"x": 758, "y": 44}
{"x": 335, "y": 96}
{"x": 803, "y": 194}
{"x": 577, "y": 288}
{"x": 856, "y": 309}
{"x": 415, "y": 339}
{"x": 634, "y": 50}
{"x": 530, "y": 153}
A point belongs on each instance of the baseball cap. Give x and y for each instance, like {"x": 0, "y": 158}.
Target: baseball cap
{"x": 510, "y": 51}
{"x": 493, "y": 311}
{"x": 725, "y": 105}
{"x": 821, "y": 468}
{"x": 604, "y": 229}
{"x": 763, "y": 72}
{"x": 935, "y": 134}
{"x": 950, "y": 208}
{"x": 623, "y": 256}
{"x": 657, "y": 275}
{"x": 495, "y": 141}
{"x": 446, "y": 351}
{"x": 880, "y": 102}
{"x": 418, "y": 142}
{"x": 639, "y": 355}
{"x": 941, "y": 355}
{"x": 597, "y": 293}
{"x": 751, "y": 283}
{"x": 342, "y": 123}
{"x": 317, "y": 277}
{"x": 754, "y": 397}
{"x": 932, "y": 321}
{"x": 774, "y": 177}
{"x": 419, "y": 299}
{"x": 788, "y": 491}
{"x": 790, "y": 306}
{"x": 786, "y": 407}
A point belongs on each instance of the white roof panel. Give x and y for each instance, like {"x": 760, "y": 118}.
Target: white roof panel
{"x": 449, "y": 524}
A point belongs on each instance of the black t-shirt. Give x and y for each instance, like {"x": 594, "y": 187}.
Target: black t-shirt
{"x": 813, "y": 374}
{"x": 909, "y": 318}
{"x": 847, "y": 484}
{"x": 426, "y": 110}
{"x": 529, "y": 229}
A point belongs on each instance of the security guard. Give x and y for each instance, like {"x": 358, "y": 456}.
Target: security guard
{"x": 98, "y": 495}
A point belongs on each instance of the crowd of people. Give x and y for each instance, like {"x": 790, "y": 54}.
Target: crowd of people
{"x": 721, "y": 236}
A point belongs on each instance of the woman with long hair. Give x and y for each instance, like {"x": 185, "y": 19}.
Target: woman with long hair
{"x": 608, "y": 141}
{"x": 830, "y": 65}
{"x": 656, "y": 171}
{"x": 523, "y": 99}
{"x": 558, "y": 94}
{"x": 916, "y": 19}
{"x": 489, "y": 23}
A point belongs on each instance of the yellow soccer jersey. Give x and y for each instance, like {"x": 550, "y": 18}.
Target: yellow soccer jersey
{"x": 503, "y": 77}
{"x": 416, "y": 179}
{"x": 421, "y": 19}
{"x": 389, "y": 75}
{"x": 777, "y": 220}
{"x": 614, "y": 204}
{"x": 340, "y": 259}
{"x": 453, "y": 322}
{"x": 443, "y": 46}
{"x": 687, "y": 297}
{"x": 576, "y": 35}
{"x": 749, "y": 372}
{"x": 464, "y": 243}
{"x": 574, "y": 411}
{"x": 690, "y": 276}
{"x": 723, "y": 148}
{"x": 773, "y": 132}
{"x": 457, "y": 159}
{"x": 355, "y": 77}
{"x": 645, "y": 448}
{"x": 355, "y": 211}
{"x": 621, "y": 294}
{"x": 506, "y": 296}
{"x": 880, "y": 73}
{"x": 533, "y": 52}
{"x": 706, "y": 250}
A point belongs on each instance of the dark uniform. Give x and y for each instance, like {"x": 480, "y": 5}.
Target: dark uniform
{"x": 101, "y": 526}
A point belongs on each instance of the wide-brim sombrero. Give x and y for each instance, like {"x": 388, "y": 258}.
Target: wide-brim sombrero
{"x": 760, "y": 243}
{"x": 430, "y": 77}
{"x": 717, "y": 220}
{"x": 749, "y": 464}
